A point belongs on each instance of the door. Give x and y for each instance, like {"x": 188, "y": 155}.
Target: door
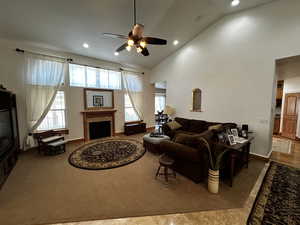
{"x": 290, "y": 115}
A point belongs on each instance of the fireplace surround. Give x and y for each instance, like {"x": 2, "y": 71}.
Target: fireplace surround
{"x": 98, "y": 119}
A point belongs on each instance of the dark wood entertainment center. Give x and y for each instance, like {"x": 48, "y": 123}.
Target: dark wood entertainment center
{"x": 9, "y": 134}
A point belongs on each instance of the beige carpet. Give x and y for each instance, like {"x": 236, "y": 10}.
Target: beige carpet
{"x": 281, "y": 145}
{"x": 46, "y": 189}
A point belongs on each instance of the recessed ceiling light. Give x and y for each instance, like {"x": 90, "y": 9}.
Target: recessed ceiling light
{"x": 175, "y": 42}
{"x": 85, "y": 45}
{"x": 235, "y": 3}
{"x": 116, "y": 53}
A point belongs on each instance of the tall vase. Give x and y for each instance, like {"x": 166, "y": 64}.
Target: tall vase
{"x": 213, "y": 181}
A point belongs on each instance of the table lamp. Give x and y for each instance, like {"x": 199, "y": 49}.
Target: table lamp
{"x": 169, "y": 111}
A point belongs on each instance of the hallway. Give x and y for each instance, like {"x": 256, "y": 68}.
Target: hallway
{"x": 292, "y": 159}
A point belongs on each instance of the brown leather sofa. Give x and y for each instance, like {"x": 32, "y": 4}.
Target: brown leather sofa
{"x": 186, "y": 147}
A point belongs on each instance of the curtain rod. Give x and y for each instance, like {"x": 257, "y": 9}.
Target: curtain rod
{"x": 98, "y": 67}
{"x": 37, "y": 53}
{"x": 71, "y": 60}
{"x": 132, "y": 71}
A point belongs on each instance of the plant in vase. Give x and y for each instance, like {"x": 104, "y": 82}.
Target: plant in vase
{"x": 214, "y": 170}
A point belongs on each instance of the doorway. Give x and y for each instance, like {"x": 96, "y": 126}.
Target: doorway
{"x": 287, "y": 110}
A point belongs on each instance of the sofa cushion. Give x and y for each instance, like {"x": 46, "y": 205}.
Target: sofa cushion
{"x": 185, "y": 123}
{"x": 186, "y": 139}
{"x": 180, "y": 151}
{"x": 174, "y": 125}
{"x": 185, "y": 132}
{"x": 198, "y": 126}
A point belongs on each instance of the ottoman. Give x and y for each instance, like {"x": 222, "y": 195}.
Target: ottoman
{"x": 152, "y": 143}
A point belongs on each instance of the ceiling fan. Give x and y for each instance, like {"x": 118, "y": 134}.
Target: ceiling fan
{"x": 135, "y": 38}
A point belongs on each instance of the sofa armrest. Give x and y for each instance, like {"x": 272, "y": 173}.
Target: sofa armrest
{"x": 180, "y": 151}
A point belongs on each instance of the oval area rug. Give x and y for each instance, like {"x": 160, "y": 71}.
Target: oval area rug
{"x": 106, "y": 154}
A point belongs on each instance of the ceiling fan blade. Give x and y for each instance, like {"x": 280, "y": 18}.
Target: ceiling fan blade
{"x": 145, "y": 52}
{"x": 155, "y": 41}
{"x": 115, "y": 35}
{"x": 121, "y": 48}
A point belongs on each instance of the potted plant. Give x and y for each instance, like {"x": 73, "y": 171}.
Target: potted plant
{"x": 214, "y": 170}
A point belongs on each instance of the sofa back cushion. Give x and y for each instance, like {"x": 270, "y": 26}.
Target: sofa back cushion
{"x": 198, "y": 126}
{"x": 185, "y": 123}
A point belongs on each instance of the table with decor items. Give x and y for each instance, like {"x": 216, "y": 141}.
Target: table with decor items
{"x": 237, "y": 151}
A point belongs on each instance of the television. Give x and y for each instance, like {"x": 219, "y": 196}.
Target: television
{"x": 6, "y": 131}
{"x": 8, "y": 122}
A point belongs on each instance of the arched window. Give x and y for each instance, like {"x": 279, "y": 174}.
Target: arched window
{"x": 197, "y": 100}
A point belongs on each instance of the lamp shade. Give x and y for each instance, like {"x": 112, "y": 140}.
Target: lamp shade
{"x": 169, "y": 110}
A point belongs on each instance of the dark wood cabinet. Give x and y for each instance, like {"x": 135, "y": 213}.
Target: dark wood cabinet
{"x": 134, "y": 128}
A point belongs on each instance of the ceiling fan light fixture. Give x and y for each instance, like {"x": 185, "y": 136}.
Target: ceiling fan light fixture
{"x": 139, "y": 49}
{"x": 143, "y": 44}
{"x": 128, "y": 48}
{"x": 116, "y": 53}
{"x": 85, "y": 45}
{"x": 130, "y": 42}
{"x": 235, "y": 3}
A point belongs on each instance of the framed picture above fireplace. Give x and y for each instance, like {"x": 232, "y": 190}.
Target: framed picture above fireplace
{"x": 98, "y": 99}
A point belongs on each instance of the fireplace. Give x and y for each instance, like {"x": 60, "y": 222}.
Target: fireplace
{"x": 99, "y": 129}
{"x": 98, "y": 123}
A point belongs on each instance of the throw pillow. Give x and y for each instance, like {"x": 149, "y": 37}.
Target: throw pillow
{"x": 174, "y": 125}
{"x": 215, "y": 127}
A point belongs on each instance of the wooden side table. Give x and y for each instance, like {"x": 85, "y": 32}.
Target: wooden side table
{"x": 235, "y": 151}
{"x": 166, "y": 162}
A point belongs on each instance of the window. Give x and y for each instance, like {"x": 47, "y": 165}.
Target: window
{"x": 160, "y": 102}
{"x": 130, "y": 114}
{"x": 85, "y": 76}
{"x": 55, "y": 119}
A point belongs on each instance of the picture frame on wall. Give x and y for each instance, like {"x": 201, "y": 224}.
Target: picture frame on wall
{"x": 98, "y": 99}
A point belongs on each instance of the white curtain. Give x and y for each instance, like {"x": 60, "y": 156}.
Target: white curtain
{"x": 43, "y": 78}
{"x": 133, "y": 85}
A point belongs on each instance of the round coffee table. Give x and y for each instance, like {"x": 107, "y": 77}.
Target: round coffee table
{"x": 152, "y": 143}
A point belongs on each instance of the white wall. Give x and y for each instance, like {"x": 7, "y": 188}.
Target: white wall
{"x": 11, "y": 70}
{"x": 233, "y": 62}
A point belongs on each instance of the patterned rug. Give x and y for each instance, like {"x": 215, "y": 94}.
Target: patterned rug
{"x": 106, "y": 154}
{"x": 278, "y": 200}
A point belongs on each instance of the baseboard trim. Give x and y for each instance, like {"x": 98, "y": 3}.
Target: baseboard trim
{"x": 75, "y": 140}
{"x": 261, "y": 157}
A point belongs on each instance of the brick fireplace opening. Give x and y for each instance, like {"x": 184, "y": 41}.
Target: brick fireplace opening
{"x": 98, "y": 123}
{"x": 99, "y": 129}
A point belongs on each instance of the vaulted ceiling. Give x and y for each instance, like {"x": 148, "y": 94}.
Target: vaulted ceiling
{"x": 67, "y": 24}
